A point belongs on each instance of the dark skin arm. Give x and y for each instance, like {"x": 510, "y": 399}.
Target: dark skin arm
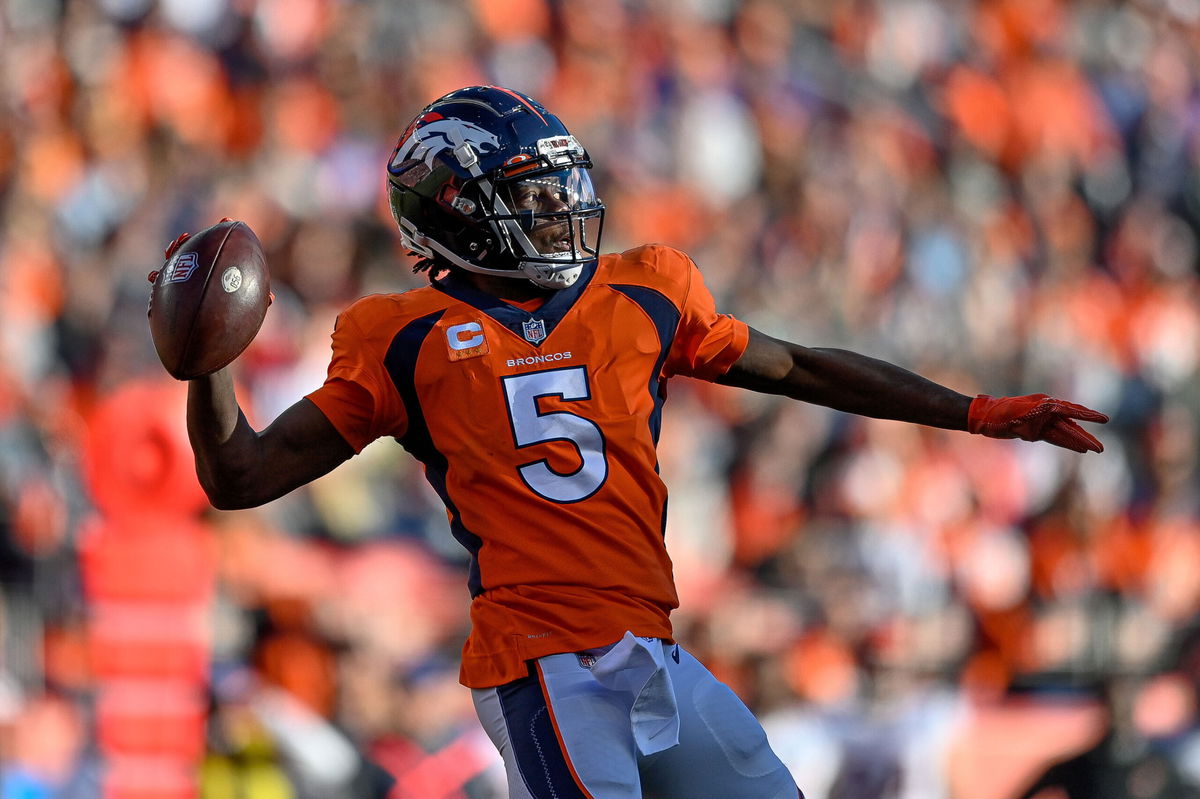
{"x": 846, "y": 381}
{"x": 241, "y": 468}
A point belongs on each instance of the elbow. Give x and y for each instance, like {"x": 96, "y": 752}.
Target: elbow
{"x": 224, "y": 494}
{"x": 225, "y": 501}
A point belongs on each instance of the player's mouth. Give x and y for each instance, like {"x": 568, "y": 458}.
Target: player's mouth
{"x": 557, "y": 239}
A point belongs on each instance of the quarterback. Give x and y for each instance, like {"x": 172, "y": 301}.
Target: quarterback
{"x": 529, "y": 378}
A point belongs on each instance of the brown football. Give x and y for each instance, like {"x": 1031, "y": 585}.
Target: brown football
{"x": 209, "y": 300}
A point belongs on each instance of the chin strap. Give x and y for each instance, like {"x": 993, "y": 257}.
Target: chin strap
{"x": 427, "y": 247}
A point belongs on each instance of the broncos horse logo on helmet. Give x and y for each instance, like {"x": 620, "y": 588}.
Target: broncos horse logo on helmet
{"x": 455, "y": 183}
{"x": 434, "y": 136}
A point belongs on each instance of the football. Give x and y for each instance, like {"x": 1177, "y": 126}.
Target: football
{"x": 209, "y": 300}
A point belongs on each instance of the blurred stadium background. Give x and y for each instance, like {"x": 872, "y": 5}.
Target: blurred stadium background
{"x": 1003, "y": 195}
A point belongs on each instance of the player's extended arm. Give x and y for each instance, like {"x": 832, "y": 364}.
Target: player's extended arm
{"x": 241, "y": 468}
{"x": 867, "y": 386}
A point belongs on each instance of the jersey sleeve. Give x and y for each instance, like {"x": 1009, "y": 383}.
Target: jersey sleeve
{"x": 706, "y": 343}
{"x": 358, "y": 396}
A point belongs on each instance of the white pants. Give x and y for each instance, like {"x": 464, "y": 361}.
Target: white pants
{"x": 639, "y": 718}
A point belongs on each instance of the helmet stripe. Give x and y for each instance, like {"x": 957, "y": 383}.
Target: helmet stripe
{"x": 522, "y": 101}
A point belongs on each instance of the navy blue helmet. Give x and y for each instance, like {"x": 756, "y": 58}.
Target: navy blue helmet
{"x": 488, "y": 180}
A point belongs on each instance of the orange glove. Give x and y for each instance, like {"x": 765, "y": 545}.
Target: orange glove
{"x": 1036, "y": 417}
{"x": 175, "y": 245}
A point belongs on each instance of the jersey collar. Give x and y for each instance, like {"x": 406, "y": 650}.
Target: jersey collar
{"x": 550, "y": 313}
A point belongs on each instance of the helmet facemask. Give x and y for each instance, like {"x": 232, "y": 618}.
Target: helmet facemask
{"x": 549, "y": 219}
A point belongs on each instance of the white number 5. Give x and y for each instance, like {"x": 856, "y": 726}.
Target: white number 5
{"x": 531, "y": 426}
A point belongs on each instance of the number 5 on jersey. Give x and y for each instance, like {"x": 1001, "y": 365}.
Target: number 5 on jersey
{"x": 531, "y": 426}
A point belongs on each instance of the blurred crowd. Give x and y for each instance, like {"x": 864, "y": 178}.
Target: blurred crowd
{"x": 1002, "y": 195}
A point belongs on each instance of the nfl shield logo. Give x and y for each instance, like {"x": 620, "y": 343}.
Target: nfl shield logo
{"x": 181, "y": 268}
{"x": 534, "y": 330}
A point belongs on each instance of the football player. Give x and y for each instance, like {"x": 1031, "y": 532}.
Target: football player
{"x": 528, "y": 378}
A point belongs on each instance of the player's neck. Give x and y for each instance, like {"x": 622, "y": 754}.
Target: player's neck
{"x": 507, "y": 288}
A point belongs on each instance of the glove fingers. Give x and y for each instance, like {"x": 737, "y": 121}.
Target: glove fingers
{"x": 173, "y": 246}
{"x": 1080, "y": 412}
{"x": 1066, "y": 433}
{"x": 1064, "y": 439}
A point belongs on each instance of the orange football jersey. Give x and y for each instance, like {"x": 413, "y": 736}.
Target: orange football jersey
{"x": 538, "y": 430}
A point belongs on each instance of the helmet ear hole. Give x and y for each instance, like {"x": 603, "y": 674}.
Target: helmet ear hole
{"x": 450, "y": 198}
